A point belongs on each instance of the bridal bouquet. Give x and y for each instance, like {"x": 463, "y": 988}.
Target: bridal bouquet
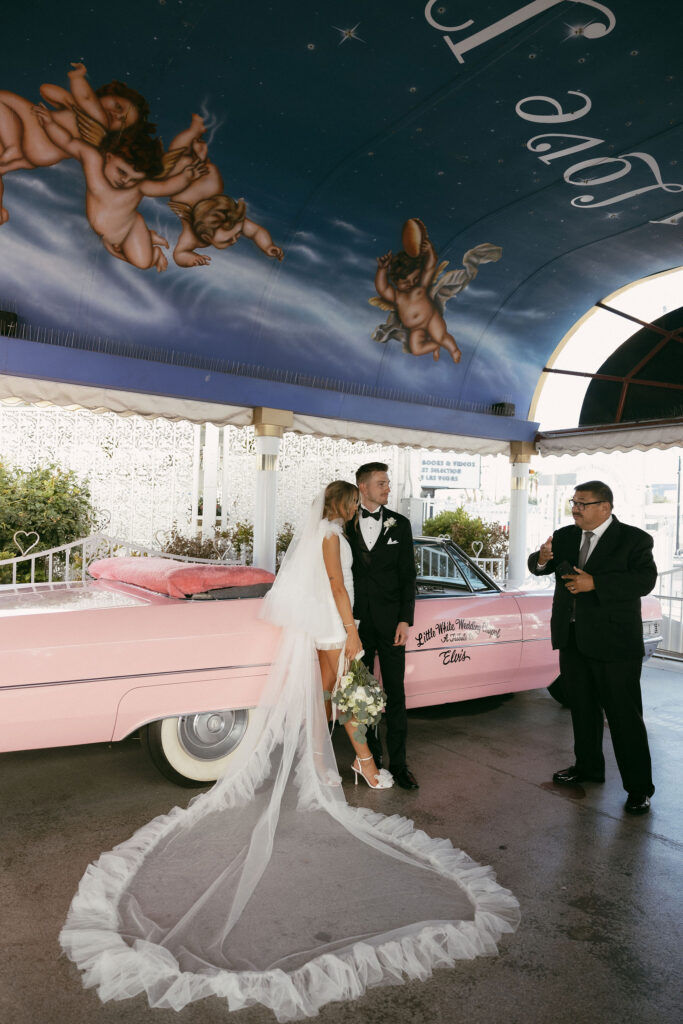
{"x": 358, "y": 695}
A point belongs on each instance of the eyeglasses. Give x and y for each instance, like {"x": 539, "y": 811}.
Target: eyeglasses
{"x": 581, "y": 505}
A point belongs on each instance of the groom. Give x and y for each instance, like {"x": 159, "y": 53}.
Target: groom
{"x": 384, "y": 585}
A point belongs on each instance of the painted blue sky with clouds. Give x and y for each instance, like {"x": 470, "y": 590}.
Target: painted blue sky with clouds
{"x": 334, "y": 144}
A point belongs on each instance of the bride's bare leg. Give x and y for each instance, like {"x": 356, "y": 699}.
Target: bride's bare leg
{"x": 329, "y": 661}
{"x": 328, "y": 675}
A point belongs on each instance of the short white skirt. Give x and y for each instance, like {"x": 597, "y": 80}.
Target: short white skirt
{"x": 328, "y": 644}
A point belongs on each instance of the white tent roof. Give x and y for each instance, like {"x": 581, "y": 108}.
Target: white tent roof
{"x": 17, "y": 390}
{"x": 641, "y": 436}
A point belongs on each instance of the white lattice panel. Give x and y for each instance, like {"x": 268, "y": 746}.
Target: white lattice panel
{"x": 309, "y": 463}
{"x": 139, "y": 471}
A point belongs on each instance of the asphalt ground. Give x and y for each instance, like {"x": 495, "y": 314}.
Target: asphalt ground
{"x": 601, "y": 892}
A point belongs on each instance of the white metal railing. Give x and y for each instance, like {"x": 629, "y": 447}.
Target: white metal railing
{"x": 670, "y": 594}
{"x": 69, "y": 562}
{"x": 493, "y": 567}
{"x": 434, "y": 563}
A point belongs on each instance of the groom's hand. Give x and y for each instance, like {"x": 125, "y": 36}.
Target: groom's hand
{"x": 401, "y": 636}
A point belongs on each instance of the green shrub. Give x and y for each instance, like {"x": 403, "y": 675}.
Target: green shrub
{"x": 242, "y": 538}
{"x": 465, "y": 529}
{"x": 49, "y": 500}
{"x": 197, "y": 547}
{"x": 284, "y": 539}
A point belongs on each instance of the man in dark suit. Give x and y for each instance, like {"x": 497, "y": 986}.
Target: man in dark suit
{"x": 597, "y": 626}
{"x": 384, "y": 586}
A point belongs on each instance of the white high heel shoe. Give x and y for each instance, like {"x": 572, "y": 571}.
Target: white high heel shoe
{"x": 385, "y": 779}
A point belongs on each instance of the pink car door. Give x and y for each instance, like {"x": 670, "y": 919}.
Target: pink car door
{"x": 467, "y": 638}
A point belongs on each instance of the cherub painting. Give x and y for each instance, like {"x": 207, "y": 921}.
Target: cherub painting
{"x": 84, "y": 112}
{"x": 125, "y": 167}
{"x": 414, "y": 291}
{"x": 108, "y": 131}
{"x": 209, "y": 217}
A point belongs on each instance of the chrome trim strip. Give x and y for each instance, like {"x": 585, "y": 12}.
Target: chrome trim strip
{"x": 141, "y": 675}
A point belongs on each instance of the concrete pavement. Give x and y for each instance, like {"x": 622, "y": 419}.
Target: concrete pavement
{"x": 600, "y": 892}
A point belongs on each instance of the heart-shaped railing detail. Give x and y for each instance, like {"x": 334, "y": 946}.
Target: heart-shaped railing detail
{"x": 26, "y": 534}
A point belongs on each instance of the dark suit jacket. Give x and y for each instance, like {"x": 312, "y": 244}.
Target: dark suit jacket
{"x": 608, "y": 621}
{"x": 384, "y": 578}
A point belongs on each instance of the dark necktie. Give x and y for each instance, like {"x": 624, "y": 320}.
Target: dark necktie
{"x": 585, "y": 548}
{"x": 583, "y": 557}
{"x": 373, "y": 515}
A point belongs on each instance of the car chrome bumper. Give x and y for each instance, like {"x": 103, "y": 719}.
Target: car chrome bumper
{"x": 651, "y": 645}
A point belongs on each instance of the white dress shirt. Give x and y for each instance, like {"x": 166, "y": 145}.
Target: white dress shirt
{"x": 371, "y": 528}
{"x": 597, "y": 534}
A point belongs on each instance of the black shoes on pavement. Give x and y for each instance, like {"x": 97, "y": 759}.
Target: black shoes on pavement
{"x": 572, "y": 776}
{"x": 405, "y": 779}
{"x": 637, "y": 803}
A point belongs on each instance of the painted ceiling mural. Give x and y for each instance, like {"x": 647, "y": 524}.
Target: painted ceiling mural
{"x": 387, "y": 211}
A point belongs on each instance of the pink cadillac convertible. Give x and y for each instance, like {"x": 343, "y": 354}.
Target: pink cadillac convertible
{"x": 181, "y": 657}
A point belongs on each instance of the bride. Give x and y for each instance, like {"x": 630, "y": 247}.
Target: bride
{"x": 341, "y": 505}
{"x": 270, "y": 888}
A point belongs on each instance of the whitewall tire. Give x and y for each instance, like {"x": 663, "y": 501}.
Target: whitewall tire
{"x": 196, "y": 749}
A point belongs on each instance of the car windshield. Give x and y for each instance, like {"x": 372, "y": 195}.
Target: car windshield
{"x": 438, "y": 563}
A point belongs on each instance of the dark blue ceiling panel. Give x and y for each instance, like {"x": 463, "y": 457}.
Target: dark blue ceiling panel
{"x": 533, "y": 151}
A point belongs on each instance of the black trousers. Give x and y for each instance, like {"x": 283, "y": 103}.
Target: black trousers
{"x": 392, "y": 663}
{"x": 612, "y": 686}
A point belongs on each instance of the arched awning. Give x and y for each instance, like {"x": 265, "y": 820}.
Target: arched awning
{"x": 431, "y": 200}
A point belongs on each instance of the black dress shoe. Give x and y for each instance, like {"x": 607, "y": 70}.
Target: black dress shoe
{"x": 637, "y": 803}
{"x": 572, "y": 776}
{"x": 405, "y": 779}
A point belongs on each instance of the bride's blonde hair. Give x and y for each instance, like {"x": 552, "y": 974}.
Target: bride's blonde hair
{"x": 338, "y": 495}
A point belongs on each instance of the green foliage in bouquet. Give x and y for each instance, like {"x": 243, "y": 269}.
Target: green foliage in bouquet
{"x": 360, "y": 698}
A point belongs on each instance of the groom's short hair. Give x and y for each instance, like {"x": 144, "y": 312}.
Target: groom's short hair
{"x": 365, "y": 471}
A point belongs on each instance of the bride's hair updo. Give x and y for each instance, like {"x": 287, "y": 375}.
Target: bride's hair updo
{"x": 338, "y": 495}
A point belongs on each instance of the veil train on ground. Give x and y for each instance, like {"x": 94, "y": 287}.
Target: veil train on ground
{"x": 270, "y": 888}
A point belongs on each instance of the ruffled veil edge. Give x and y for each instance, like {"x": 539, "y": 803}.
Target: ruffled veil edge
{"x": 215, "y": 899}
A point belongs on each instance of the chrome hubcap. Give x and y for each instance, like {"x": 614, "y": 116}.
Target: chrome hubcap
{"x": 212, "y": 734}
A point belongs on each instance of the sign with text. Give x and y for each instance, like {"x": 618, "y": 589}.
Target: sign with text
{"x": 440, "y": 470}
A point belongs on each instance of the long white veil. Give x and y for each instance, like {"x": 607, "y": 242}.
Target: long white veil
{"x": 269, "y": 888}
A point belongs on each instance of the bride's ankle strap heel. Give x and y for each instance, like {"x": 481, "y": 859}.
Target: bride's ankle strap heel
{"x": 383, "y": 778}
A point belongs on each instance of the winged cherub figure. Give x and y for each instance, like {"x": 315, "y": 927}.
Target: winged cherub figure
{"x": 119, "y": 172}
{"x": 209, "y": 217}
{"x": 414, "y": 291}
{"x": 81, "y": 111}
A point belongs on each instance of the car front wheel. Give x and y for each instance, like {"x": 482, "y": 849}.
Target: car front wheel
{"x": 196, "y": 749}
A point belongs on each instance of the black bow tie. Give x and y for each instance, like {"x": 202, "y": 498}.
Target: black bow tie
{"x": 373, "y": 515}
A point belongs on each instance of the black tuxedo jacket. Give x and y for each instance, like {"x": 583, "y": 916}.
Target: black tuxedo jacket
{"x": 608, "y": 621}
{"x": 384, "y": 577}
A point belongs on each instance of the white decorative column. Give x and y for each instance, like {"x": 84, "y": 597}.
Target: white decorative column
{"x": 520, "y": 455}
{"x": 409, "y": 502}
{"x": 269, "y": 426}
{"x": 209, "y": 481}
{"x": 196, "y": 479}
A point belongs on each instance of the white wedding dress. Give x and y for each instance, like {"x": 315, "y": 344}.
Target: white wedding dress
{"x": 269, "y": 888}
{"x": 336, "y": 637}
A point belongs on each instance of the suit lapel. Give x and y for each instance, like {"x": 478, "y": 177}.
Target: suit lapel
{"x": 574, "y": 545}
